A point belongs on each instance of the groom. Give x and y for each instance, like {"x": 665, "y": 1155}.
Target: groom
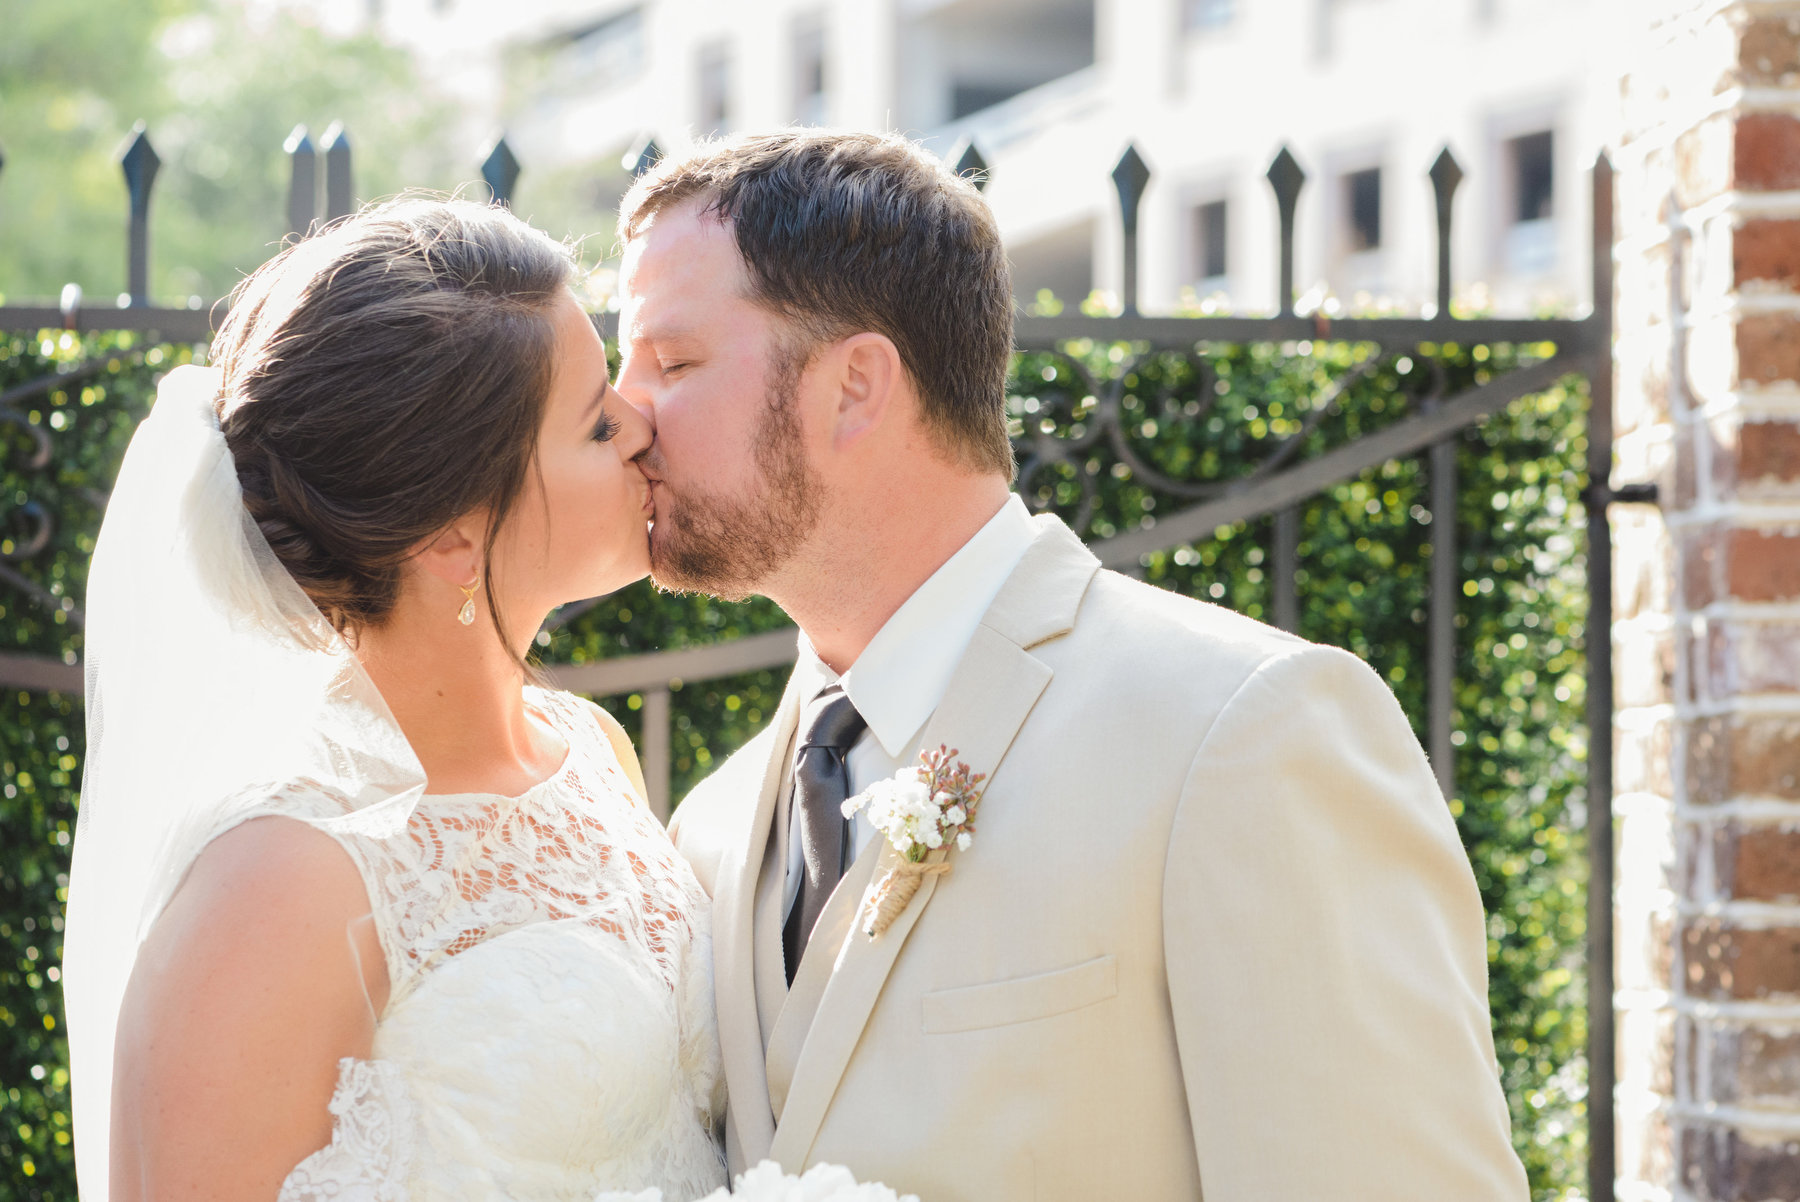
{"x": 1215, "y": 933}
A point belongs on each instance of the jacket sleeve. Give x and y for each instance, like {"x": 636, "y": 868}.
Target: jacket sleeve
{"x": 1326, "y": 955}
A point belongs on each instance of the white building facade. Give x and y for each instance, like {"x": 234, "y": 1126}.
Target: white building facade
{"x": 1365, "y": 92}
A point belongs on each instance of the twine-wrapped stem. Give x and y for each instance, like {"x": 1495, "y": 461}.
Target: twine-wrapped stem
{"x": 890, "y": 895}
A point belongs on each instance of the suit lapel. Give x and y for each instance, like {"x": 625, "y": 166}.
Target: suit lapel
{"x": 989, "y": 697}
{"x": 734, "y": 945}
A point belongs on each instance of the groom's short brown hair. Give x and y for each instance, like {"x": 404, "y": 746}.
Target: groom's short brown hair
{"x": 847, "y": 232}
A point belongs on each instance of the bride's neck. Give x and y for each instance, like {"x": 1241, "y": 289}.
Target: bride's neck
{"x": 457, "y": 694}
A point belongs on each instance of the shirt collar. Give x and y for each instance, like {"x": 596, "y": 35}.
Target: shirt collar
{"x": 902, "y": 674}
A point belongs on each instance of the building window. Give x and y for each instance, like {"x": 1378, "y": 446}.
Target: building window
{"x": 605, "y": 53}
{"x": 1362, "y": 210}
{"x": 1210, "y": 263}
{"x": 1207, "y": 14}
{"x": 1533, "y": 181}
{"x": 966, "y": 98}
{"x": 1530, "y": 170}
{"x": 809, "y": 70}
{"x": 715, "y": 89}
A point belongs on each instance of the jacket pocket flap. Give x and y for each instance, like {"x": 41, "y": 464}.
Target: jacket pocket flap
{"x": 1022, "y": 999}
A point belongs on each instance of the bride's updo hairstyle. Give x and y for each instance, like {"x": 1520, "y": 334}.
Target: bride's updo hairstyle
{"x": 382, "y": 379}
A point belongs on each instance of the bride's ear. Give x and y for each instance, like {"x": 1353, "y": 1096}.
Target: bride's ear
{"x": 455, "y": 554}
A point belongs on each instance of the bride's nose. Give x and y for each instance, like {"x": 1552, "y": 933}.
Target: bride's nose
{"x": 637, "y": 430}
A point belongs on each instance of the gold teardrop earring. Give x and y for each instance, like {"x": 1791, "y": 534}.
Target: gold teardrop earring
{"x": 466, "y": 615}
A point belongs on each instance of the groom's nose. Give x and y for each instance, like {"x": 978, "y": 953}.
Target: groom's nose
{"x": 639, "y": 431}
{"x": 632, "y": 382}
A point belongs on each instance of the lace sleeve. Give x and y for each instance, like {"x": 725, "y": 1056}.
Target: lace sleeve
{"x": 371, "y": 1149}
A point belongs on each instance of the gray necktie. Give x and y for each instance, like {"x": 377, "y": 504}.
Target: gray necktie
{"x": 829, "y": 727}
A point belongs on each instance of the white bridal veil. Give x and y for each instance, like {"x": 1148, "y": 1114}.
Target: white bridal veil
{"x": 211, "y": 680}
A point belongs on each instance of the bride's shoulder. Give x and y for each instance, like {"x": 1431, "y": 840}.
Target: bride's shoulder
{"x": 581, "y": 718}
{"x": 270, "y": 902}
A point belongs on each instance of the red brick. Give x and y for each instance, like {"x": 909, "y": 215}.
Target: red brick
{"x": 1700, "y": 555}
{"x": 1762, "y": 565}
{"x": 1744, "y": 757}
{"x": 1753, "y": 1065}
{"x": 1766, "y": 152}
{"x": 1768, "y": 348}
{"x": 1735, "y": 963}
{"x": 1687, "y": 1058}
{"x": 1749, "y": 657}
{"x": 1769, "y": 51}
{"x": 1760, "y": 863}
{"x": 1691, "y": 446}
{"x": 1767, "y": 450}
{"x": 1767, "y": 251}
{"x": 1719, "y": 1165}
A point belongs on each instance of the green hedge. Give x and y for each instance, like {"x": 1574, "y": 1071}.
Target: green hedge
{"x": 1365, "y": 554}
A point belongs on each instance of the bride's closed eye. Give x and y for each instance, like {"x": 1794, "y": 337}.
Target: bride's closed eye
{"x": 606, "y": 427}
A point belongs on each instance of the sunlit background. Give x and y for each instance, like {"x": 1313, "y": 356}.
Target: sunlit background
{"x": 1364, "y": 92}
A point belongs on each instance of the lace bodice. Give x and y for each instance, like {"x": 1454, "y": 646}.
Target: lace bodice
{"x": 549, "y": 1032}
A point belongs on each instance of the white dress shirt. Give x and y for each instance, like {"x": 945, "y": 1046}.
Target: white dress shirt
{"x": 898, "y": 680}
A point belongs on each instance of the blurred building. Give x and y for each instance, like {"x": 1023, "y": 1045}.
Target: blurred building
{"x": 1365, "y": 92}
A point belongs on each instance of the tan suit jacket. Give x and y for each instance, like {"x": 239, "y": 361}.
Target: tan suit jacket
{"x": 1216, "y": 935}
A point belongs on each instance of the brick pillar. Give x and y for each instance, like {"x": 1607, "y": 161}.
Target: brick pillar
{"x": 1707, "y": 607}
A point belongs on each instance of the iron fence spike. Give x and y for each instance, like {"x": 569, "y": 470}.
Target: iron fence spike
{"x": 303, "y": 181}
{"x": 967, "y": 161}
{"x": 1131, "y": 176}
{"x": 1446, "y": 175}
{"x": 643, "y": 155}
{"x": 140, "y": 163}
{"x": 1286, "y": 178}
{"x": 500, "y": 170}
{"x": 339, "y": 195}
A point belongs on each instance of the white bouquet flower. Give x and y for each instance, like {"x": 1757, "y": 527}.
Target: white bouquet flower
{"x": 767, "y": 1183}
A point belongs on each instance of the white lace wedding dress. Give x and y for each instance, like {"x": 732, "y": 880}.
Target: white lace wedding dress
{"x": 550, "y": 1031}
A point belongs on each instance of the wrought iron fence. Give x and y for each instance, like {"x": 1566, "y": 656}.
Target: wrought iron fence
{"x": 1090, "y": 413}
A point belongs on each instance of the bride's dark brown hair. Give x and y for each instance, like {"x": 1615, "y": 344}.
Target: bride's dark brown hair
{"x": 382, "y": 379}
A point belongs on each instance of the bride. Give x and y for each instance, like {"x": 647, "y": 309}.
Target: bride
{"x": 359, "y": 911}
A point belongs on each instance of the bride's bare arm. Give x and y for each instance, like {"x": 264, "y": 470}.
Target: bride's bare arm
{"x": 260, "y": 975}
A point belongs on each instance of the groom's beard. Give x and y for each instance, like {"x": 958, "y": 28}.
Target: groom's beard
{"x": 729, "y": 546}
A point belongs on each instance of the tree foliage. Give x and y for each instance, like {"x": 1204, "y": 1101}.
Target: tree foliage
{"x": 220, "y": 85}
{"x": 1365, "y": 547}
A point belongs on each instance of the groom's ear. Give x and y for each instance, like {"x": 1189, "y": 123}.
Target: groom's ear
{"x": 870, "y": 380}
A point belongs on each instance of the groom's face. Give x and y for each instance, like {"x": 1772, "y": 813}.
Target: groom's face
{"x": 735, "y": 496}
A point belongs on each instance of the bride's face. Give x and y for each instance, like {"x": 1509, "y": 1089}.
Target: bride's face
{"x": 581, "y": 526}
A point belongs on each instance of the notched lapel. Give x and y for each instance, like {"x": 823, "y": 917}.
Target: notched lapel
{"x": 994, "y": 689}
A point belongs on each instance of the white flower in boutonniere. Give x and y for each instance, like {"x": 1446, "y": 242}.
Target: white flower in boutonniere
{"x": 918, "y": 811}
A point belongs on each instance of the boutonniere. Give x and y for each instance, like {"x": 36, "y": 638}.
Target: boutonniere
{"x": 918, "y": 810}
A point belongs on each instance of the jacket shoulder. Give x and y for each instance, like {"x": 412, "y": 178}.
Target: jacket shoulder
{"x": 1164, "y": 632}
